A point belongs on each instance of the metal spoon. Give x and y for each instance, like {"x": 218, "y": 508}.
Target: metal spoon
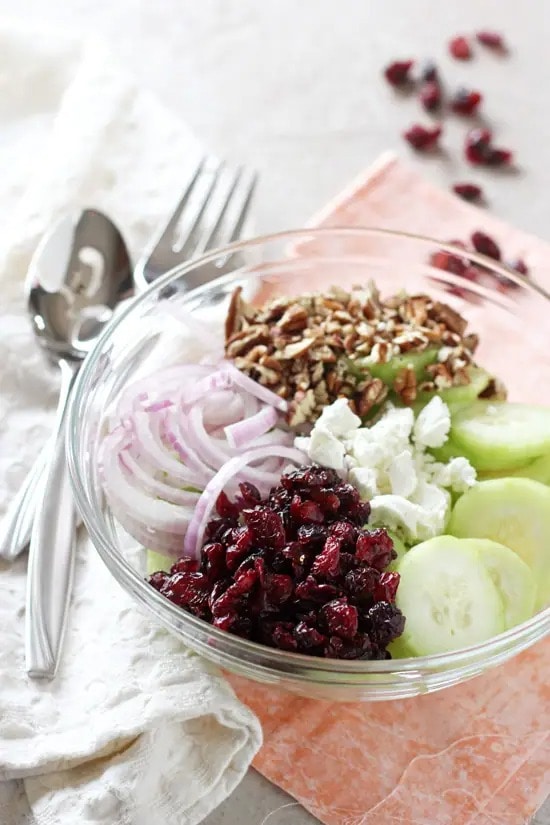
{"x": 67, "y": 314}
{"x": 71, "y": 234}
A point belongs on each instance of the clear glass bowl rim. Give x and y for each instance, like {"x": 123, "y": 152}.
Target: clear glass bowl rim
{"x": 519, "y": 636}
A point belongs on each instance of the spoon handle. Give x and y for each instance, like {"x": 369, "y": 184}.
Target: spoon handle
{"x": 16, "y": 526}
{"x": 52, "y": 551}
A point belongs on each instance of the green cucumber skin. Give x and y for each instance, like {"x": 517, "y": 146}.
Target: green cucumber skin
{"x": 537, "y": 470}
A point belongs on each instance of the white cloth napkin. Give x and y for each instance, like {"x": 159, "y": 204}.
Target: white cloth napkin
{"x": 135, "y": 730}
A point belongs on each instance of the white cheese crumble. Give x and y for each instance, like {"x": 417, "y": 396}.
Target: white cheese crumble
{"x": 407, "y": 488}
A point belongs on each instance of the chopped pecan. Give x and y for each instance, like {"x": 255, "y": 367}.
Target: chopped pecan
{"x": 294, "y": 319}
{"x": 233, "y": 313}
{"x": 297, "y": 349}
{"x": 452, "y": 319}
{"x": 471, "y": 341}
{"x": 242, "y": 345}
{"x": 374, "y": 393}
{"x": 441, "y": 375}
{"x": 405, "y": 385}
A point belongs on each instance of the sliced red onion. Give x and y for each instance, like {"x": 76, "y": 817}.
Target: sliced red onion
{"x": 252, "y": 387}
{"x": 242, "y": 433}
{"x": 163, "y": 447}
{"x": 194, "y": 536}
{"x": 157, "y": 524}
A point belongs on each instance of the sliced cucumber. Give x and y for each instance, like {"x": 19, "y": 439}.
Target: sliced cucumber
{"x": 511, "y": 576}
{"x": 514, "y": 512}
{"x": 447, "y": 597}
{"x": 399, "y": 649}
{"x": 497, "y": 435}
{"x": 400, "y": 549}
{"x": 156, "y": 562}
{"x": 464, "y": 394}
{"x": 418, "y": 361}
{"x": 538, "y": 470}
{"x": 446, "y": 452}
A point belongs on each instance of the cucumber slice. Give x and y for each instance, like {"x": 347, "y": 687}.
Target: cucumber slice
{"x": 537, "y": 470}
{"x": 399, "y": 649}
{"x": 418, "y": 361}
{"x": 458, "y": 396}
{"x": 400, "y": 549}
{"x": 156, "y": 562}
{"x": 447, "y": 597}
{"x": 497, "y": 435}
{"x": 446, "y": 452}
{"x": 514, "y": 512}
{"x": 511, "y": 576}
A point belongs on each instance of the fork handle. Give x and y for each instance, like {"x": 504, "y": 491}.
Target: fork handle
{"x": 16, "y": 526}
{"x": 52, "y": 551}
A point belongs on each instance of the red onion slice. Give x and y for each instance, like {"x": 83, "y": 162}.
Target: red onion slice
{"x": 194, "y": 536}
{"x": 242, "y": 433}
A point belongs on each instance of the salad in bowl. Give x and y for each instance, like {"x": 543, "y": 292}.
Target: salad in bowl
{"x": 329, "y": 468}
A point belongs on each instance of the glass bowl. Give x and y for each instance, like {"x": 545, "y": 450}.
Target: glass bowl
{"x": 509, "y": 313}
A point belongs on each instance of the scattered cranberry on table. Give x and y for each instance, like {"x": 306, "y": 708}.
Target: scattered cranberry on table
{"x": 465, "y": 102}
{"x": 468, "y": 191}
{"x": 459, "y": 48}
{"x": 398, "y": 73}
{"x": 423, "y": 138}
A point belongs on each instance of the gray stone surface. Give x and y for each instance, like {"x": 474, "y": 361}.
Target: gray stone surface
{"x": 293, "y": 87}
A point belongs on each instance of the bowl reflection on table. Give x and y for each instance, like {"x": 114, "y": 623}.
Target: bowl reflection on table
{"x": 508, "y": 313}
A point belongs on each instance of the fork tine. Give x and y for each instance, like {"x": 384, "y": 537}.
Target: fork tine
{"x": 222, "y": 201}
{"x": 165, "y": 235}
{"x": 186, "y": 243}
{"x": 241, "y": 204}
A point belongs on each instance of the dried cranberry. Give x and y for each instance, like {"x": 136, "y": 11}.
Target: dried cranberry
{"x": 491, "y": 39}
{"x": 468, "y": 191}
{"x": 386, "y": 587}
{"x": 282, "y": 636}
{"x": 184, "y": 565}
{"x": 157, "y": 580}
{"x": 306, "y": 512}
{"x": 341, "y": 618}
{"x": 423, "y": 138}
{"x": 241, "y": 537}
{"x": 428, "y": 72}
{"x": 213, "y": 561}
{"x": 312, "y": 536}
{"x": 249, "y": 494}
{"x": 308, "y": 637}
{"x": 520, "y": 266}
{"x": 485, "y": 245}
{"x": 326, "y": 499}
{"x": 430, "y": 96}
{"x": 267, "y": 527}
{"x": 397, "y": 73}
{"x": 477, "y": 146}
{"x": 499, "y": 157}
{"x": 375, "y": 547}
{"x": 216, "y": 528}
{"x": 384, "y": 622}
{"x": 345, "y": 531}
{"x": 360, "y": 584}
{"x": 327, "y": 563}
{"x": 189, "y": 590}
{"x": 448, "y": 262}
{"x": 466, "y": 102}
{"x": 226, "y": 508}
{"x": 460, "y": 49}
{"x": 311, "y": 590}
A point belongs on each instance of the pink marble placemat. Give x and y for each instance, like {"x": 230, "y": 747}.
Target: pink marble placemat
{"x": 475, "y": 754}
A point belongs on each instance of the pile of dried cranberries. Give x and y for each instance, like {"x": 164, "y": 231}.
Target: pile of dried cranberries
{"x": 296, "y": 571}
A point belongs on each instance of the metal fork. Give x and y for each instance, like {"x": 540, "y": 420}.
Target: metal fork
{"x": 212, "y": 212}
